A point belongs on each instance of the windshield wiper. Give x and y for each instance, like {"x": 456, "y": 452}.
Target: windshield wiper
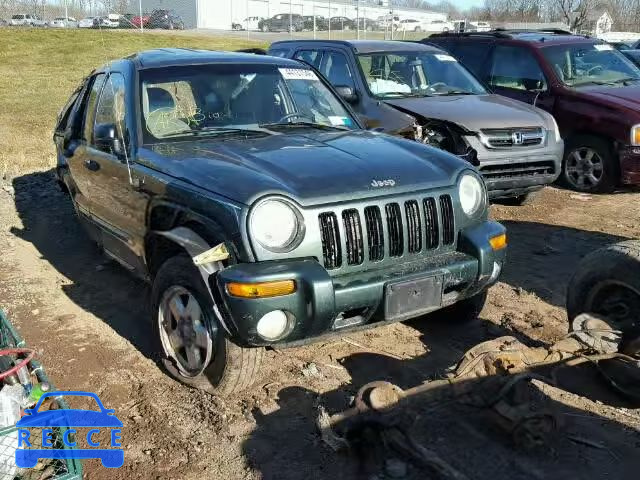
{"x": 321, "y": 126}
{"x": 455, "y": 92}
{"x": 406, "y": 94}
{"x": 216, "y": 131}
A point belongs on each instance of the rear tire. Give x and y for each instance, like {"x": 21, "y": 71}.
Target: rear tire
{"x": 589, "y": 165}
{"x": 607, "y": 283}
{"x": 231, "y": 368}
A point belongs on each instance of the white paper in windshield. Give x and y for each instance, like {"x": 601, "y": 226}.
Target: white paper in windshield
{"x": 444, "y": 58}
{"x": 603, "y": 47}
{"x": 380, "y": 86}
{"x": 298, "y": 74}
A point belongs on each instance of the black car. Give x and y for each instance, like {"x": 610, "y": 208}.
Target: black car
{"x": 633, "y": 55}
{"x": 283, "y": 22}
{"x": 342, "y": 23}
{"x": 321, "y": 23}
{"x": 262, "y": 213}
{"x": 166, "y": 19}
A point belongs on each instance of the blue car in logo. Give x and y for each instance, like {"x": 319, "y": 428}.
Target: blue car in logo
{"x": 67, "y": 419}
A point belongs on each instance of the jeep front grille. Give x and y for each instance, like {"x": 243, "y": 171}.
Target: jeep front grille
{"x": 353, "y": 232}
{"x": 424, "y": 228}
{"x": 375, "y": 235}
{"x": 512, "y": 137}
{"x": 517, "y": 170}
{"x": 331, "y": 250}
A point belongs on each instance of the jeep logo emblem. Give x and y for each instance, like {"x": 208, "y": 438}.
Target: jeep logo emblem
{"x": 383, "y": 183}
{"x": 517, "y": 138}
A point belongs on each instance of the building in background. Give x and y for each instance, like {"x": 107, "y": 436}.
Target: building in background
{"x": 221, "y": 14}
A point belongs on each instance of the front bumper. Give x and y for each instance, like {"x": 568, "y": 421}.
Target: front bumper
{"x": 323, "y": 304}
{"x": 516, "y": 171}
{"x": 629, "y": 165}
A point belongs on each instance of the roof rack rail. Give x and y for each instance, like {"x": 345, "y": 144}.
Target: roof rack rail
{"x": 503, "y": 32}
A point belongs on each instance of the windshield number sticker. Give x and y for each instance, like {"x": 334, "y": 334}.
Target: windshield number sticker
{"x": 444, "y": 58}
{"x": 603, "y": 47}
{"x": 298, "y": 74}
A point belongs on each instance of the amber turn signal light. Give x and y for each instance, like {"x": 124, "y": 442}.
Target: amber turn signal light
{"x": 261, "y": 290}
{"x": 499, "y": 242}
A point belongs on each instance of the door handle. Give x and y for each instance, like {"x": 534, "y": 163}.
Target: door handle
{"x": 92, "y": 165}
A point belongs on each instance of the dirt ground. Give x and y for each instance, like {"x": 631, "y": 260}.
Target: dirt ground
{"x": 87, "y": 318}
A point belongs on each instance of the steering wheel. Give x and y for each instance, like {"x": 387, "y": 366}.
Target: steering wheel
{"x": 437, "y": 85}
{"x": 592, "y": 70}
{"x": 289, "y": 116}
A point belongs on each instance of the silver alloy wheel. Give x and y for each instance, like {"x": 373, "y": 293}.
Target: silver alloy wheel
{"x": 584, "y": 168}
{"x": 185, "y": 332}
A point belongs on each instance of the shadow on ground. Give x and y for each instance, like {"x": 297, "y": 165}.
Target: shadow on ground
{"x": 474, "y": 440}
{"x": 542, "y": 258}
{"x": 285, "y": 444}
{"x": 98, "y": 285}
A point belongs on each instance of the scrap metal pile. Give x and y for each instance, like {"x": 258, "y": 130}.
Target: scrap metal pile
{"x": 501, "y": 377}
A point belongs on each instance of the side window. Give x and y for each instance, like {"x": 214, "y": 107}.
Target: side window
{"x": 278, "y": 52}
{"x": 65, "y": 114}
{"x": 472, "y": 55}
{"x": 90, "y": 106}
{"x": 111, "y": 106}
{"x": 516, "y": 68}
{"x": 312, "y": 57}
{"x": 336, "y": 69}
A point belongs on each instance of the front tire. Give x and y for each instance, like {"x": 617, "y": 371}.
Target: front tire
{"x": 194, "y": 347}
{"x": 589, "y": 165}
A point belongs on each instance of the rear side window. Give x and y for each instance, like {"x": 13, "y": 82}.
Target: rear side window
{"x": 473, "y": 55}
{"x": 516, "y": 68}
{"x": 336, "y": 69}
{"x": 90, "y": 107}
{"x": 312, "y": 57}
{"x": 278, "y": 52}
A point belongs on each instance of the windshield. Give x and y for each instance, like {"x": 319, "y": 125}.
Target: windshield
{"x": 416, "y": 74}
{"x": 590, "y": 64}
{"x": 210, "y": 99}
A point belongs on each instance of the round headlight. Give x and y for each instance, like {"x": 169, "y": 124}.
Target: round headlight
{"x": 471, "y": 193}
{"x": 274, "y": 224}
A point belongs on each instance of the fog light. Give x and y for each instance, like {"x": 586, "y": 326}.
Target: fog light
{"x": 273, "y": 325}
{"x": 498, "y": 242}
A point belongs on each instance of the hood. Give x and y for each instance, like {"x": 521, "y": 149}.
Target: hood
{"x": 311, "y": 168}
{"x": 624, "y": 96}
{"x": 473, "y": 112}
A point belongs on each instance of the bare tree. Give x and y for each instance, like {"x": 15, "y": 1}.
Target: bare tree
{"x": 575, "y": 12}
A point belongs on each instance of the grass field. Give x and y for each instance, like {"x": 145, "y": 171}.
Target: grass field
{"x": 40, "y": 68}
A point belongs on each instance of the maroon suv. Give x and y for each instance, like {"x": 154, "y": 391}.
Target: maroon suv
{"x": 592, "y": 90}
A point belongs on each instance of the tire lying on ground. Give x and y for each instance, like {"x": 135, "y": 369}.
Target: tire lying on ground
{"x": 607, "y": 282}
{"x": 194, "y": 346}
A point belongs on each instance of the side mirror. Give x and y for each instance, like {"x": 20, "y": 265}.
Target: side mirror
{"x": 106, "y": 139}
{"x": 348, "y": 94}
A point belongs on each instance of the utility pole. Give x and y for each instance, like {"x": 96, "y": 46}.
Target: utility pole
{"x": 358, "y": 19}
{"x": 290, "y": 20}
{"x": 247, "y": 21}
{"x": 329, "y": 19}
{"x": 66, "y": 13}
{"x": 314, "y": 19}
{"x": 141, "y": 19}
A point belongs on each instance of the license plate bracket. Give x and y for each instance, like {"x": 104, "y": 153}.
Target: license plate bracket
{"x": 411, "y": 298}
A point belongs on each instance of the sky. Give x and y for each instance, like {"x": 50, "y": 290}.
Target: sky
{"x": 464, "y": 4}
